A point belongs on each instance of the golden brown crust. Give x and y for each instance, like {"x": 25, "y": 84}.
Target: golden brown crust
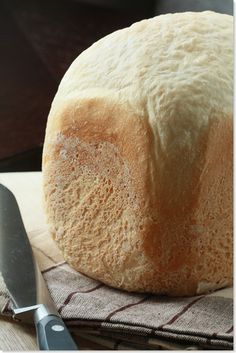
{"x": 168, "y": 255}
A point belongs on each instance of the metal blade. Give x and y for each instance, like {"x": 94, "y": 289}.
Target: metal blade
{"x": 16, "y": 259}
{"x": 17, "y": 265}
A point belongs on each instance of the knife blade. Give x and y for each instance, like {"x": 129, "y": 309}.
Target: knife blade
{"x": 30, "y": 297}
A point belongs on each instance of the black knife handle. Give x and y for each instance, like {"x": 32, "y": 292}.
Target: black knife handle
{"x": 52, "y": 334}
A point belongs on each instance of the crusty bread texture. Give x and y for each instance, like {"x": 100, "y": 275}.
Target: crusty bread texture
{"x": 137, "y": 160}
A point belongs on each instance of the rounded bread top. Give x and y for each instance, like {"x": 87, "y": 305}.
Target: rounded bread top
{"x": 160, "y": 63}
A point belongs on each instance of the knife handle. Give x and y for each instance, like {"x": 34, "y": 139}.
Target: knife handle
{"x": 52, "y": 334}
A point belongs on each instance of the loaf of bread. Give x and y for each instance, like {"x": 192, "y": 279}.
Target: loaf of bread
{"x": 137, "y": 160}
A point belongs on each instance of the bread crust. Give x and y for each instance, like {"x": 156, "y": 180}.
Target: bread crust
{"x": 138, "y": 171}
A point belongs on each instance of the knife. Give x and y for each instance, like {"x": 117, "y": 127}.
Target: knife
{"x": 24, "y": 281}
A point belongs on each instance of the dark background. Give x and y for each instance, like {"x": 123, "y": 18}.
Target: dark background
{"x": 38, "y": 41}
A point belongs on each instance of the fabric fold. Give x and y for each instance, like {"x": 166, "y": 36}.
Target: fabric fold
{"x": 95, "y": 309}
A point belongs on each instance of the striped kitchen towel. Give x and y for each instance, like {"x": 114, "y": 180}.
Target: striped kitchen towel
{"x": 119, "y": 319}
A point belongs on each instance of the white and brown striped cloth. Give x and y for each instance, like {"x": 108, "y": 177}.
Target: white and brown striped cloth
{"x": 111, "y": 318}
